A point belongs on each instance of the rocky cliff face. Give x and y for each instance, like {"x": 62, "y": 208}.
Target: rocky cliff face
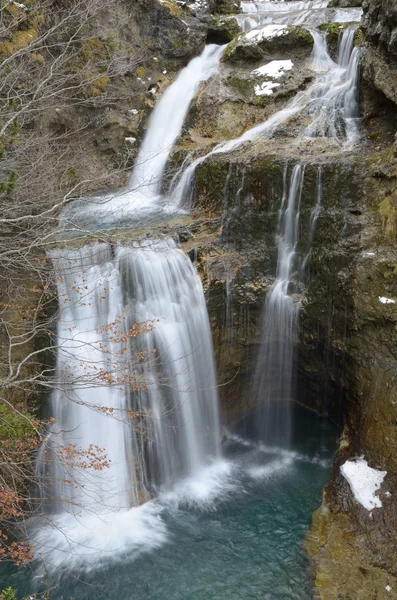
{"x": 380, "y": 28}
{"x": 353, "y": 549}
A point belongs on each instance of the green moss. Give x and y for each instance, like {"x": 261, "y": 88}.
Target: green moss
{"x": 228, "y": 27}
{"x": 332, "y": 28}
{"x": 388, "y": 215}
{"x": 99, "y": 85}
{"x": 181, "y": 44}
{"x": 230, "y": 47}
{"x": 15, "y": 424}
{"x": 140, "y": 72}
{"x": 94, "y": 48}
{"x": 359, "y": 37}
{"x": 111, "y": 44}
{"x": 242, "y": 86}
{"x": 300, "y": 34}
{"x": 19, "y": 40}
{"x": 333, "y": 33}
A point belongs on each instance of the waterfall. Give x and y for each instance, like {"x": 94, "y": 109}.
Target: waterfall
{"x": 170, "y": 392}
{"x": 334, "y": 100}
{"x": 167, "y": 121}
{"x": 142, "y": 199}
{"x": 135, "y": 399}
{"x": 273, "y": 385}
{"x": 182, "y": 430}
{"x": 142, "y": 398}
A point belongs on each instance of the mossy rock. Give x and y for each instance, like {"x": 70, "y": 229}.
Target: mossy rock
{"x": 173, "y": 8}
{"x": 223, "y": 30}
{"x": 290, "y": 41}
{"x": 226, "y": 7}
{"x": 388, "y": 215}
{"x": 333, "y": 33}
{"x": 99, "y": 85}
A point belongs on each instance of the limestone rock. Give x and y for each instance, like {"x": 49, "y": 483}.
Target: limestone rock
{"x": 276, "y": 41}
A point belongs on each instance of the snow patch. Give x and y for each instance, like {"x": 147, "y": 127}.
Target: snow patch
{"x": 386, "y": 300}
{"x": 130, "y": 140}
{"x": 133, "y": 111}
{"x": 266, "y": 88}
{"x": 269, "y": 31}
{"x": 388, "y": 588}
{"x": 199, "y": 4}
{"x": 364, "y": 482}
{"x": 274, "y": 69}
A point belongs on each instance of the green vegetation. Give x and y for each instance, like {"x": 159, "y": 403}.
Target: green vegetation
{"x": 388, "y": 215}
{"x": 8, "y": 594}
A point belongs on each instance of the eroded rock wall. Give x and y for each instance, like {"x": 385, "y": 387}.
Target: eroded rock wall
{"x": 380, "y": 28}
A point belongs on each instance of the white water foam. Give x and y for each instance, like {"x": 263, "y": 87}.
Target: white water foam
{"x": 76, "y": 543}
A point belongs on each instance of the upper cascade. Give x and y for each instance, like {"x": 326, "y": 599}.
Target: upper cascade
{"x": 142, "y": 197}
{"x": 331, "y": 102}
{"x": 306, "y": 12}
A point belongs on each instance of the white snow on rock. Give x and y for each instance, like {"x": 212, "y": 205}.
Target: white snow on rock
{"x": 133, "y": 111}
{"x": 388, "y": 588}
{"x": 274, "y": 69}
{"x": 386, "y": 300}
{"x": 269, "y": 31}
{"x": 364, "y": 482}
{"x": 199, "y": 4}
{"x": 266, "y": 88}
{"x": 130, "y": 140}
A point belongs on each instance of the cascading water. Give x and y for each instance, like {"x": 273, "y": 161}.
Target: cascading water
{"x": 331, "y": 102}
{"x": 312, "y": 12}
{"x": 182, "y": 429}
{"x": 334, "y": 103}
{"x": 142, "y": 200}
{"x": 273, "y": 386}
{"x": 167, "y": 121}
{"x": 136, "y": 406}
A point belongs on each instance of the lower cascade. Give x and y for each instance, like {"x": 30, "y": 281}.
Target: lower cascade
{"x": 137, "y": 317}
